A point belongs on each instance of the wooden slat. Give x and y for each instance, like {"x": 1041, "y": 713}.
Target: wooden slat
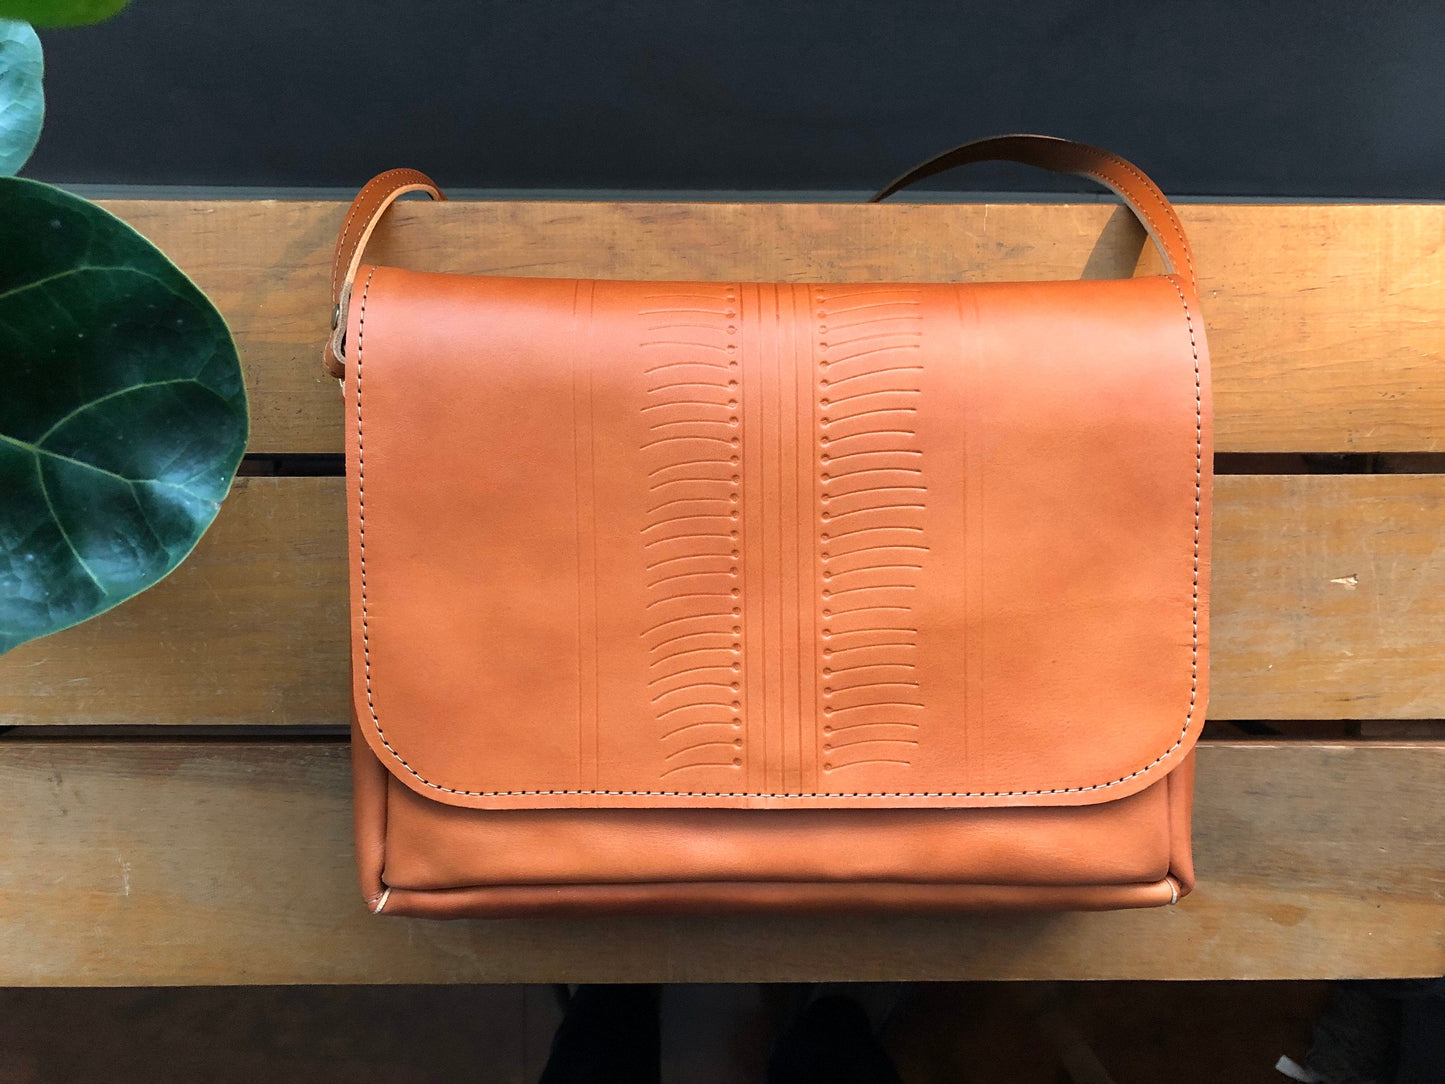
{"x": 250, "y": 630}
{"x": 1324, "y": 321}
{"x": 156, "y": 863}
{"x": 1329, "y": 598}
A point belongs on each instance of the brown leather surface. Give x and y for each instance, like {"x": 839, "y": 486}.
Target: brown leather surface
{"x": 745, "y": 545}
{"x": 1181, "y": 813}
{"x": 692, "y": 596}
{"x": 528, "y": 901}
{"x": 433, "y": 845}
{"x": 661, "y": 858}
{"x": 361, "y": 221}
{"x": 369, "y": 782}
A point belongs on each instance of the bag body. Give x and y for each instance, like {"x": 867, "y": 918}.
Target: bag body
{"x": 700, "y": 596}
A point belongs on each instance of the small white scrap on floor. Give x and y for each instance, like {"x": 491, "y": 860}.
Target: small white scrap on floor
{"x": 1295, "y": 1071}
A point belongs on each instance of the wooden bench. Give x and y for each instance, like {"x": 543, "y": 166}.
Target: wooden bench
{"x": 176, "y": 787}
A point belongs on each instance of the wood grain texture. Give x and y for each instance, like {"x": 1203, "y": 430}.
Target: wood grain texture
{"x": 1329, "y": 598}
{"x": 159, "y": 863}
{"x": 250, "y": 629}
{"x": 1324, "y": 321}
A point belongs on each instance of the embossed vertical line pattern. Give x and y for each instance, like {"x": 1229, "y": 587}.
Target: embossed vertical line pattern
{"x": 693, "y": 534}
{"x": 788, "y": 530}
{"x": 761, "y": 762}
{"x": 809, "y": 496}
{"x": 773, "y": 380}
{"x": 585, "y": 475}
{"x": 764, "y": 347}
{"x": 872, "y": 496}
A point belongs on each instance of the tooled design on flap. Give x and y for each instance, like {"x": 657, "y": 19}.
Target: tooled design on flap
{"x": 693, "y": 630}
{"x": 1145, "y": 769}
{"x": 871, "y": 540}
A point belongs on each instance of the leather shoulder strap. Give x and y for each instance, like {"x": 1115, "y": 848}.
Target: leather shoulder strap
{"x": 366, "y": 210}
{"x": 1126, "y": 180}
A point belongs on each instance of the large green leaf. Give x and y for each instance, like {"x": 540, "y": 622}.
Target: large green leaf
{"x": 22, "y": 97}
{"x": 60, "y": 12}
{"x": 122, "y": 412}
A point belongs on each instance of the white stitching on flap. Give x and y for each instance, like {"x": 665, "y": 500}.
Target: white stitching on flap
{"x": 1194, "y": 644}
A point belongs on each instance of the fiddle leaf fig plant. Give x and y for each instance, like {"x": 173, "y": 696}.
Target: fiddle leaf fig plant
{"x": 22, "y": 98}
{"x": 60, "y": 12}
{"x": 122, "y": 411}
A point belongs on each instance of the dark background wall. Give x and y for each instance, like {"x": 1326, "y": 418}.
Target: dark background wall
{"x": 1272, "y": 97}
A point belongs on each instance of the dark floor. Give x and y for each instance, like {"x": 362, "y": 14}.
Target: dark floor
{"x": 954, "y": 1033}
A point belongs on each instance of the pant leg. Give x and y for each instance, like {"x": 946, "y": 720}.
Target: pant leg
{"x": 831, "y": 1043}
{"x": 607, "y": 1035}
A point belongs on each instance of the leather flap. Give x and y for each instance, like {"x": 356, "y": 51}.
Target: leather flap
{"x": 777, "y": 546}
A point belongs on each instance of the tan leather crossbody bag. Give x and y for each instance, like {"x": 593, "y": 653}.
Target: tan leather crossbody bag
{"x": 735, "y": 595}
